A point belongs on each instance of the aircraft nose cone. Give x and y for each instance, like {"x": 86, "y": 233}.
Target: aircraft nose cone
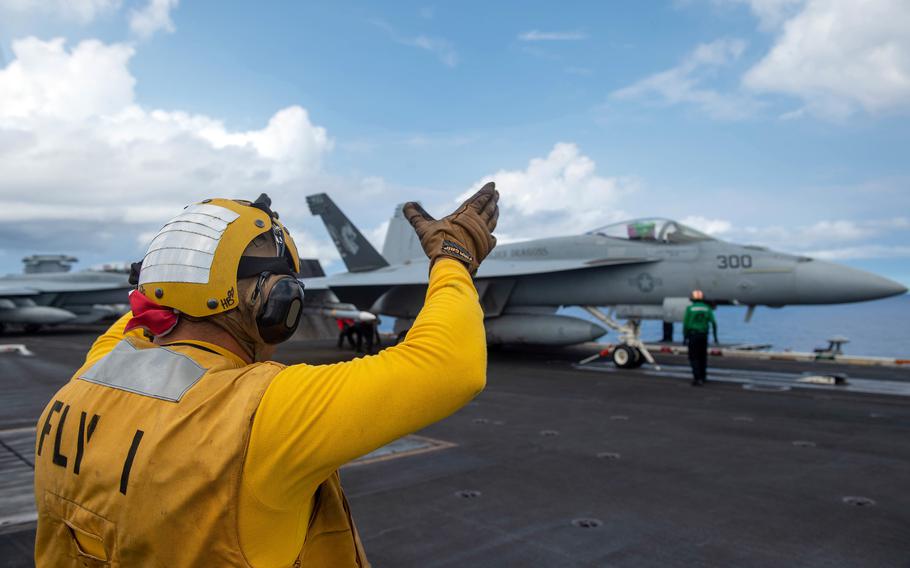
{"x": 820, "y": 282}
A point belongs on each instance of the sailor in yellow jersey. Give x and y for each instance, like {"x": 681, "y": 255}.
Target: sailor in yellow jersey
{"x": 178, "y": 443}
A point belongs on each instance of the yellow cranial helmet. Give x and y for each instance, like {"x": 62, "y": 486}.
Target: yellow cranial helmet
{"x": 194, "y": 262}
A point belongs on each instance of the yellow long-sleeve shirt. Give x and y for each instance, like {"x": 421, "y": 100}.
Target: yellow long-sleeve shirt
{"x": 313, "y": 419}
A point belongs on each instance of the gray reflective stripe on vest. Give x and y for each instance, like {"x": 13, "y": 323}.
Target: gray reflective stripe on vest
{"x": 157, "y": 372}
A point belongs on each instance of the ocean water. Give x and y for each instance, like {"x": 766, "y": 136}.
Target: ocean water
{"x": 877, "y": 328}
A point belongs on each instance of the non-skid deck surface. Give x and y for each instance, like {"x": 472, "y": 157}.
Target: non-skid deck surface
{"x": 557, "y": 466}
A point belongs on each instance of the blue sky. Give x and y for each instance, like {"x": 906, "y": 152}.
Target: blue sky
{"x": 742, "y": 117}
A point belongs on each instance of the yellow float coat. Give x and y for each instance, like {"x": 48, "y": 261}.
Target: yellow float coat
{"x": 296, "y": 426}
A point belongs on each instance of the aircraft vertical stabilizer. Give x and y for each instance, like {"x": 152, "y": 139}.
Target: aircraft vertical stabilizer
{"x": 401, "y": 242}
{"x": 355, "y": 250}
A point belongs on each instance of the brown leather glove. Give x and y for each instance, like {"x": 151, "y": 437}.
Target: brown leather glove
{"x": 465, "y": 235}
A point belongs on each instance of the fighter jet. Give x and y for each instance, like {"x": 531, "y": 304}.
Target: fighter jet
{"x": 49, "y": 294}
{"x": 643, "y": 269}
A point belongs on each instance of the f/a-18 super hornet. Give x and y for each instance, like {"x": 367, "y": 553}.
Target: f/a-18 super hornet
{"x": 642, "y": 269}
{"x": 47, "y": 293}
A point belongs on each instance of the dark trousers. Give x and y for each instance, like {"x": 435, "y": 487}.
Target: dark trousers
{"x": 365, "y": 333}
{"x": 346, "y": 333}
{"x": 698, "y": 356}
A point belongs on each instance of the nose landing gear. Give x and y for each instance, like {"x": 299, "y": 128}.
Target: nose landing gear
{"x": 631, "y": 353}
{"x": 627, "y": 357}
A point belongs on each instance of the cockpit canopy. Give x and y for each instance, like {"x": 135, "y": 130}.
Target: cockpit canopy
{"x": 653, "y": 230}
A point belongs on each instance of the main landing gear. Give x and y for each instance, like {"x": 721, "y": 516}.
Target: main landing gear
{"x": 631, "y": 352}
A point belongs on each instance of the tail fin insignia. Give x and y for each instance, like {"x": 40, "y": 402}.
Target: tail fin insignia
{"x": 355, "y": 250}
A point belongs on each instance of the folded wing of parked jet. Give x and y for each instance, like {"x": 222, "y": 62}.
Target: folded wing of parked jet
{"x": 48, "y": 294}
{"x": 16, "y": 290}
{"x": 37, "y": 287}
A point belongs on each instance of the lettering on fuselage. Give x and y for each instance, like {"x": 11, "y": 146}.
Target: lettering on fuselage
{"x": 734, "y": 261}
{"x": 521, "y": 252}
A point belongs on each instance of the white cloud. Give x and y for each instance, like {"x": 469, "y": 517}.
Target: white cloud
{"x": 82, "y": 11}
{"x": 46, "y": 82}
{"x": 77, "y": 150}
{"x": 862, "y": 252}
{"x": 826, "y": 239}
{"x": 317, "y": 246}
{"x": 560, "y": 194}
{"x": 144, "y": 238}
{"x": 706, "y": 225}
{"x": 838, "y": 239}
{"x": 836, "y": 231}
{"x": 770, "y": 13}
{"x": 535, "y": 35}
{"x": 685, "y": 82}
{"x": 839, "y": 56}
{"x": 442, "y": 48}
{"x": 153, "y": 17}
{"x": 376, "y": 235}
{"x": 828, "y": 232}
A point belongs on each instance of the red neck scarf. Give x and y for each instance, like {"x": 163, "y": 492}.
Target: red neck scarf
{"x": 156, "y": 319}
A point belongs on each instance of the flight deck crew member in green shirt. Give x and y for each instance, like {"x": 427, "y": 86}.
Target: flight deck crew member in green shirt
{"x": 699, "y": 316}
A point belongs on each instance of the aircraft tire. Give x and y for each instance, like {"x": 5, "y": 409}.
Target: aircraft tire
{"x": 32, "y": 327}
{"x": 625, "y": 357}
{"x": 639, "y": 359}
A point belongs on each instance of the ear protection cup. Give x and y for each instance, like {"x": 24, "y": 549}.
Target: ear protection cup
{"x": 280, "y": 314}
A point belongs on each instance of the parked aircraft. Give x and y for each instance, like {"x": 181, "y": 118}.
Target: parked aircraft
{"x": 49, "y": 294}
{"x": 643, "y": 269}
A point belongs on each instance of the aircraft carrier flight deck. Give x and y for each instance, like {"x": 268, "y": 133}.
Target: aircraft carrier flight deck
{"x": 560, "y": 465}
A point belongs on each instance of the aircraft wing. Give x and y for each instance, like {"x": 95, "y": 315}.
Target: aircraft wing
{"x": 500, "y": 268}
{"x": 415, "y": 272}
{"x": 313, "y": 285}
{"x": 8, "y": 290}
{"x": 36, "y": 287}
